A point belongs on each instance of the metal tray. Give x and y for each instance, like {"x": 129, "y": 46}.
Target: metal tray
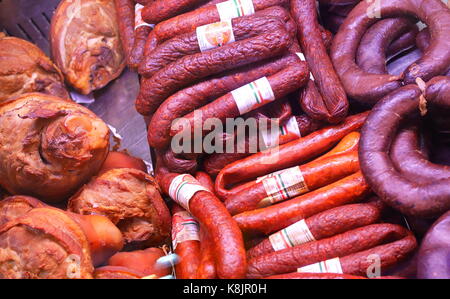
{"x": 30, "y": 20}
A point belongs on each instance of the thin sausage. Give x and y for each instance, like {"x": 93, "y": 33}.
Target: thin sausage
{"x": 320, "y": 226}
{"x": 212, "y": 215}
{"x": 276, "y": 217}
{"x": 293, "y": 182}
{"x": 335, "y": 99}
{"x": 186, "y": 243}
{"x": 292, "y": 153}
{"x": 354, "y": 241}
{"x": 230, "y": 105}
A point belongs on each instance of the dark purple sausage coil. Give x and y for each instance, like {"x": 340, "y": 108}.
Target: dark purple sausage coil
{"x": 408, "y": 196}
{"x": 408, "y": 158}
{"x": 369, "y": 88}
{"x": 433, "y": 255}
{"x": 372, "y": 50}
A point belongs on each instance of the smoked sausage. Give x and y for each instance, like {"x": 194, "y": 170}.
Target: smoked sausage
{"x": 369, "y": 88}
{"x": 212, "y": 215}
{"x": 410, "y": 197}
{"x": 190, "y": 68}
{"x": 320, "y": 226}
{"x": 276, "y": 217}
{"x": 293, "y": 182}
{"x": 333, "y": 94}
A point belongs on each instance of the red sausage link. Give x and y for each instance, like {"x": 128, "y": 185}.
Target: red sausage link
{"x": 274, "y": 218}
{"x": 305, "y": 14}
{"x": 188, "y": 43}
{"x": 204, "y": 179}
{"x": 282, "y": 83}
{"x": 323, "y": 225}
{"x": 187, "y": 22}
{"x": 160, "y": 10}
{"x": 198, "y": 95}
{"x": 389, "y": 255}
{"x": 188, "y": 251}
{"x": 310, "y": 176}
{"x": 207, "y": 267}
{"x": 125, "y": 19}
{"x": 354, "y": 241}
{"x": 292, "y": 153}
{"x": 212, "y": 215}
{"x": 214, "y": 163}
{"x": 348, "y": 144}
{"x": 190, "y": 68}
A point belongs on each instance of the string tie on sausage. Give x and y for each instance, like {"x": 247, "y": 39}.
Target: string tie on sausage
{"x": 422, "y": 100}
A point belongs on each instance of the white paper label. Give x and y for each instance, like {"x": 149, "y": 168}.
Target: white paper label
{"x": 215, "y": 35}
{"x": 184, "y": 228}
{"x": 328, "y": 266}
{"x": 234, "y": 9}
{"x": 301, "y": 56}
{"x": 283, "y": 185}
{"x": 293, "y": 235}
{"x": 183, "y": 188}
{"x": 253, "y": 95}
{"x": 274, "y": 137}
{"x": 138, "y": 21}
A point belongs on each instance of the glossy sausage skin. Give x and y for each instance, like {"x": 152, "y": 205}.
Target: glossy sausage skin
{"x": 347, "y": 144}
{"x": 329, "y": 223}
{"x": 369, "y": 88}
{"x": 191, "y": 68}
{"x": 289, "y": 154}
{"x": 350, "y": 242}
{"x": 218, "y": 223}
{"x": 198, "y": 95}
{"x": 207, "y": 267}
{"x": 334, "y": 97}
{"x": 188, "y": 44}
{"x": 273, "y": 218}
{"x": 140, "y": 38}
{"x": 315, "y": 174}
{"x": 372, "y": 50}
{"x": 411, "y": 162}
{"x": 282, "y": 83}
{"x": 409, "y": 196}
{"x": 389, "y": 255}
{"x": 187, "y": 251}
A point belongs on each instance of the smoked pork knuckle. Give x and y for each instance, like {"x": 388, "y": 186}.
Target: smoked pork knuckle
{"x": 25, "y": 68}
{"x": 49, "y": 147}
{"x": 44, "y": 243}
{"x": 86, "y": 44}
{"x": 131, "y": 199}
